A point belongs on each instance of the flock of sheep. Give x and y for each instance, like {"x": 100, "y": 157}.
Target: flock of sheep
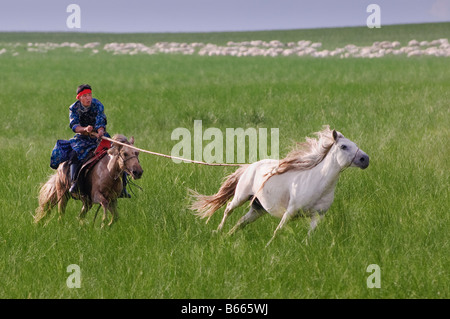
{"x": 439, "y": 47}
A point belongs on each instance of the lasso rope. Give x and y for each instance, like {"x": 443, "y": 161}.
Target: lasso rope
{"x": 164, "y": 155}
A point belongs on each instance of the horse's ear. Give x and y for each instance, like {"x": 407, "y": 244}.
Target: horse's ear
{"x": 335, "y": 135}
{"x": 131, "y": 140}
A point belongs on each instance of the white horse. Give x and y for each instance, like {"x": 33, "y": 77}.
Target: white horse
{"x": 302, "y": 184}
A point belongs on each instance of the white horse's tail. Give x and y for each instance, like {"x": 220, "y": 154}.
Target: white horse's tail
{"x": 207, "y": 205}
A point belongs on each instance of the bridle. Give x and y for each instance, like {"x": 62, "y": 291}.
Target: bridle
{"x": 124, "y": 160}
{"x": 356, "y": 153}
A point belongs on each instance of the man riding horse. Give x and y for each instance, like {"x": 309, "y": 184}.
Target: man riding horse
{"x": 86, "y": 116}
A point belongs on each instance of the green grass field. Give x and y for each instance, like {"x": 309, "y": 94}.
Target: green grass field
{"x": 394, "y": 214}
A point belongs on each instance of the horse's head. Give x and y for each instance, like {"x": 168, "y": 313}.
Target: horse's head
{"x": 128, "y": 157}
{"x": 348, "y": 153}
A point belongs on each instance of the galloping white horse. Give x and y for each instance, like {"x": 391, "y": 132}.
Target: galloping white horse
{"x": 302, "y": 184}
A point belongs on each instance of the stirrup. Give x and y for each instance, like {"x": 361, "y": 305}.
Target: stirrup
{"x": 73, "y": 188}
{"x": 124, "y": 194}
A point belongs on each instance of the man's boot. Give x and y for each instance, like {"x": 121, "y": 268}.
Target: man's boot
{"x": 124, "y": 193}
{"x": 74, "y": 168}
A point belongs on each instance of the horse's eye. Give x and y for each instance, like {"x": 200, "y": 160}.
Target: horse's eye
{"x": 125, "y": 154}
{"x": 343, "y": 147}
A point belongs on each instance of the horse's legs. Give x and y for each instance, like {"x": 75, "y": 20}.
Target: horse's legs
{"x": 252, "y": 215}
{"x": 315, "y": 219}
{"x": 112, "y": 207}
{"x": 286, "y": 217}
{"x": 99, "y": 198}
{"x": 114, "y": 212}
{"x": 105, "y": 212}
{"x": 236, "y": 202}
{"x": 62, "y": 203}
{"x": 86, "y": 207}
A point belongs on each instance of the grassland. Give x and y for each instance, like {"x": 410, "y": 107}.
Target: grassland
{"x": 394, "y": 214}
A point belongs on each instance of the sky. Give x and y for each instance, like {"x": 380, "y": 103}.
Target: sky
{"x": 126, "y": 16}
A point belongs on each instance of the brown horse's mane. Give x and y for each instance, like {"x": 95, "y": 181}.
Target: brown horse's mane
{"x": 119, "y": 138}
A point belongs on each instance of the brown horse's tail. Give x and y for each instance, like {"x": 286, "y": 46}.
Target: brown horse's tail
{"x": 52, "y": 193}
{"x": 207, "y": 205}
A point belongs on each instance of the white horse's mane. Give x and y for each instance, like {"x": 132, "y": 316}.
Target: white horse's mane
{"x": 308, "y": 154}
{"x": 305, "y": 156}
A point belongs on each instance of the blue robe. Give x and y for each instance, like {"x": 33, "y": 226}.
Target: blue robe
{"x": 81, "y": 144}
{"x": 79, "y": 115}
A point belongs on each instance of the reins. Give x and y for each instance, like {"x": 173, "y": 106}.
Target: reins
{"x": 164, "y": 155}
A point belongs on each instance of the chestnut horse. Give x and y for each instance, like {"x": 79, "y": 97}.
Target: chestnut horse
{"x": 102, "y": 183}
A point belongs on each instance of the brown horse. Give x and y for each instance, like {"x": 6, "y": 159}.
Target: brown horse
{"x": 102, "y": 183}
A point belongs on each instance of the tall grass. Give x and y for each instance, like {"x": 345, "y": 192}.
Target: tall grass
{"x": 394, "y": 214}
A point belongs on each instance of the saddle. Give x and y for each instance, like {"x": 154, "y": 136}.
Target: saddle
{"x": 99, "y": 153}
{"x": 96, "y": 156}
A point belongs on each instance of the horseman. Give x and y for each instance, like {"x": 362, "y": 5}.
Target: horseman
{"x": 86, "y": 116}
